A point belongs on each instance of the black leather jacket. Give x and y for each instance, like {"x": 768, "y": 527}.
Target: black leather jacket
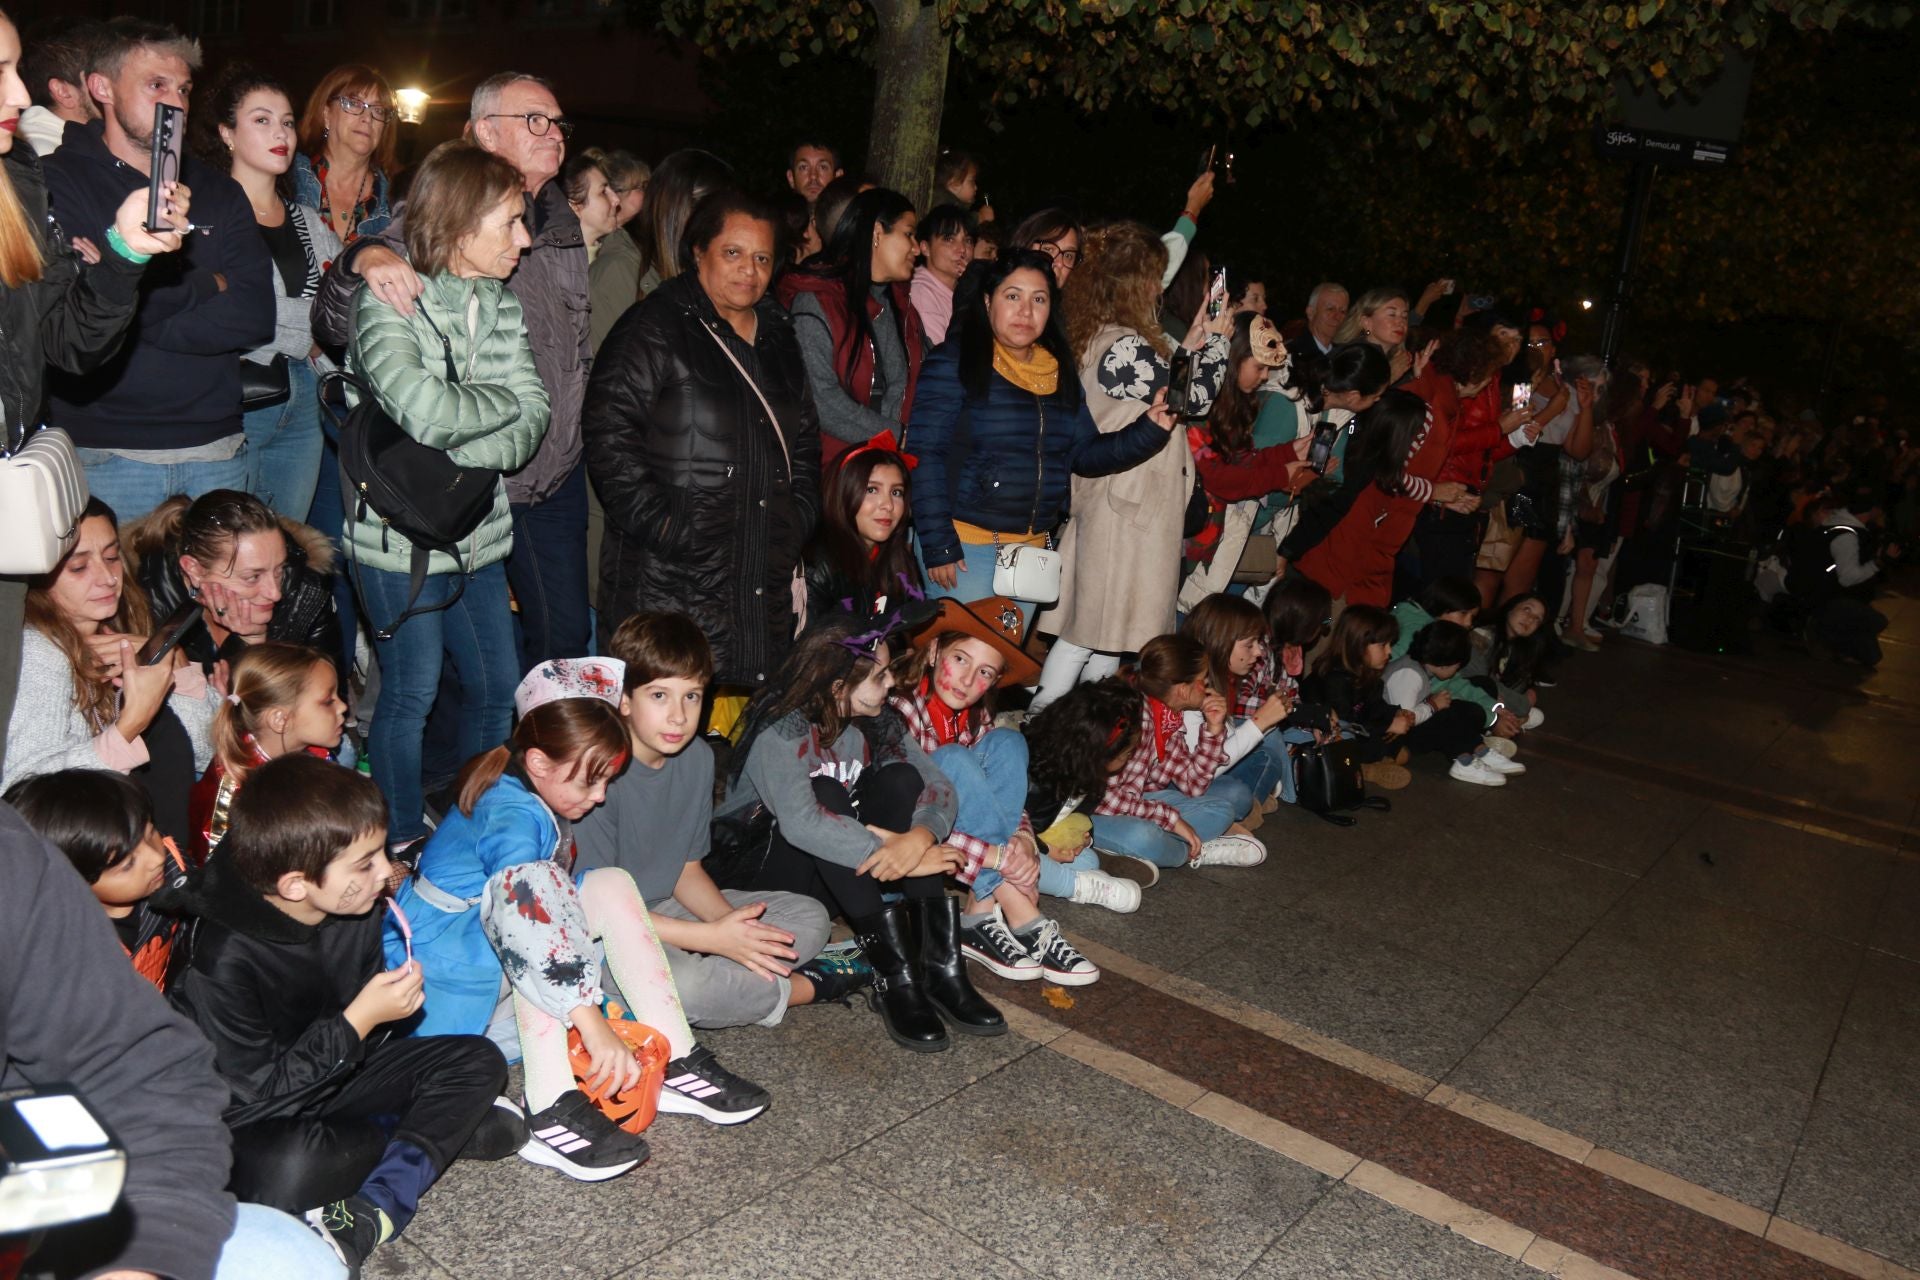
{"x": 304, "y": 615}
{"x": 705, "y": 515}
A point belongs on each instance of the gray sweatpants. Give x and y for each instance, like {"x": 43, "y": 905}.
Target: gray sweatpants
{"x": 718, "y": 992}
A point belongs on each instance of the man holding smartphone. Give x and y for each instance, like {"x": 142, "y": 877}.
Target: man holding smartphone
{"x": 163, "y": 416}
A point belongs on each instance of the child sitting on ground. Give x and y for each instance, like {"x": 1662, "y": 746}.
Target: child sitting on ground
{"x": 1167, "y": 806}
{"x": 1457, "y": 600}
{"x": 495, "y": 912}
{"x": 1240, "y": 664}
{"x": 331, "y": 1116}
{"x": 1413, "y": 684}
{"x": 1074, "y": 748}
{"x": 832, "y": 799}
{"x": 285, "y": 699}
{"x": 943, "y": 691}
{"x": 103, "y": 822}
{"x": 1348, "y": 678}
{"x": 1508, "y": 652}
{"x": 737, "y": 958}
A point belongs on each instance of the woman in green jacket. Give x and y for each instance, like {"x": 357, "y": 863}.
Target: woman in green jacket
{"x": 465, "y": 230}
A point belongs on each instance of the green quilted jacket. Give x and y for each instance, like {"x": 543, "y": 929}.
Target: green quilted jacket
{"x": 493, "y": 417}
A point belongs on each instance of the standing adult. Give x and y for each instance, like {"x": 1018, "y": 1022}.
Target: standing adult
{"x": 253, "y": 139}
{"x": 1326, "y": 312}
{"x": 346, "y": 161}
{"x": 1001, "y": 425}
{"x": 466, "y": 231}
{"x": 55, "y": 72}
{"x": 811, "y": 165}
{"x": 163, "y": 416}
{"x": 859, "y": 332}
{"x": 516, "y": 117}
{"x": 1381, "y": 317}
{"x": 683, "y": 180}
{"x": 705, "y": 448}
{"x": 613, "y": 274}
{"x": 946, "y": 247}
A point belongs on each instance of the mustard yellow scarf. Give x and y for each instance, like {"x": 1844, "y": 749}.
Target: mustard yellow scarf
{"x": 1040, "y": 373}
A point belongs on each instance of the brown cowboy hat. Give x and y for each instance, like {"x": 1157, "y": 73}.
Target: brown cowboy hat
{"x": 995, "y": 620}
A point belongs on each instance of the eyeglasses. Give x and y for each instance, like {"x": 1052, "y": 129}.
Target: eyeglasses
{"x": 1540, "y": 342}
{"x": 538, "y": 123}
{"x": 361, "y": 107}
{"x": 1069, "y": 256}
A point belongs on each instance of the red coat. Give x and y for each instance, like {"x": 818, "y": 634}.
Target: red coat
{"x": 855, "y": 367}
{"x": 1356, "y": 559}
{"x": 1478, "y": 442}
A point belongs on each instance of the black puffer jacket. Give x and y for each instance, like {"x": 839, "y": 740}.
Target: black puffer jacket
{"x": 704, "y": 514}
{"x": 304, "y": 614}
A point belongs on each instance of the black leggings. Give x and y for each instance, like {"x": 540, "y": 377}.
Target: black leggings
{"x": 400, "y": 1119}
{"x": 1455, "y": 730}
{"x": 884, "y": 797}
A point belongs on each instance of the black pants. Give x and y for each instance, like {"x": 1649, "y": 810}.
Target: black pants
{"x": 884, "y": 797}
{"x": 1850, "y": 627}
{"x": 1447, "y": 543}
{"x": 388, "y": 1134}
{"x": 1455, "y": 730}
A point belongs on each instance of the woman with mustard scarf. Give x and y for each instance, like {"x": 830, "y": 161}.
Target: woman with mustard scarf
{"x": 999, "y": 431}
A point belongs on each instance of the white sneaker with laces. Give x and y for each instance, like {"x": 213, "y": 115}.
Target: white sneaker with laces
{"x": 1535, "y": 718}
{"x": 1102, "y": 890}
{"x": 1500, "y": 764}
{"x": 1476, "y": 773}
{"x": 1232, "y": 850}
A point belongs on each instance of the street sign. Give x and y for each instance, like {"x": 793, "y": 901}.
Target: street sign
{"x": 1668, "y": 149}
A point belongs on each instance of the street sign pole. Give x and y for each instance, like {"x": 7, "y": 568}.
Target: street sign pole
{"x": 1633, "y": 221}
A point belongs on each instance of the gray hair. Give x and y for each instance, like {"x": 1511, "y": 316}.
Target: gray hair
{"x": 487, "y": 94}
{"x": 112, "y": 41}
{"x": 623, "y": 169}
{"x": 1324, "y": 287}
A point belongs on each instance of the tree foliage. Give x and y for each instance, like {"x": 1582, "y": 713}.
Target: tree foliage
{"x": 1503, "y": 72}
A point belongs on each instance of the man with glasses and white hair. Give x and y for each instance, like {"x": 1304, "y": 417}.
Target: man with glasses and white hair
{"x": 517, "y": 117}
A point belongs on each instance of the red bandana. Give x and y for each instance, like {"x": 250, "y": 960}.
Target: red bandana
{"x": 946, "y": 722}
{"x": 1166, "y": 723}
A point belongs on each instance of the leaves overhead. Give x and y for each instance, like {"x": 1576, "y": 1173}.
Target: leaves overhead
{"x": 1507, "y": 73}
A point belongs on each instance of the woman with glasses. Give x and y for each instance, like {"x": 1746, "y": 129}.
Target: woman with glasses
{"x": 346, "y": 159}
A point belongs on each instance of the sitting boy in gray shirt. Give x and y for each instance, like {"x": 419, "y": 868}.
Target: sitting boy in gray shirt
{"x": 737, "y": 958}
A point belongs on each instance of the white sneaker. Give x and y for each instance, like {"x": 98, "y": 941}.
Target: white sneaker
{"x": 1477, "y": 773}
{"x": 1504, "y": 746}
{"x": 1500, "y": 764}
{"x": 1231, "y": 851}
{"x": 1535, "y": 718}
{"x": 1103, "y": 890}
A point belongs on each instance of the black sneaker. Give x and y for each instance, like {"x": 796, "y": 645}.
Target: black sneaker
{"x": 836, "y": 975}
{"x": 354, "y": 1227}
{"x": 500, "y": 1133}
{"x": 697, "y": 1085}
{"x": 575, "y": 1137}
{"x": 1060, "y": 962}
{"x": 991, "y": 943}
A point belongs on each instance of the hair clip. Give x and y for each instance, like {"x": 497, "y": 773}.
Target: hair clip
{"x": 887, "y": 441}
{"x": 234, "y": 698}
{"x": 864, "y": 644}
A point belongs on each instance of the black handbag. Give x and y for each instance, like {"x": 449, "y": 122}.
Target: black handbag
{"x": 1328, "y": 779}
{"x": 415, "y": 489}
{"x": 262, "y": 386}
{"x": 738, "y": 845}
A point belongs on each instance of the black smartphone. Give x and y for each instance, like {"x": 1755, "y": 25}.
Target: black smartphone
{"x": 1206, "y": 161}
{"x": 171, "y": 632}
{"x": 1320, "y": 452}
{"x": 163, "y": 162}
{"x": 1180, "y": 384}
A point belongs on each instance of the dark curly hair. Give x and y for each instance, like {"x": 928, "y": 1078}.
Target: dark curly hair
{"x": 809, "y": 682}
{"x": 1071, "y": 742}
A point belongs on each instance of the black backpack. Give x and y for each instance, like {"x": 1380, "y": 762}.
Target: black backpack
{"x": 1328, "y": 779}
{"x": 413, "y": 488}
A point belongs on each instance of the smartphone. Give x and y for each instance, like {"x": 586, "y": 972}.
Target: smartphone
{"x": 1522, "y": 395}
{"x": 1180, "y": 383}
{"x": 1206, "y": 162}
{"x": 59, "y": 1162}
{"x": 1217, "y": 295}
{"x": 163, "y": 162}
{"x": 1320, "y": 453}
{"x": 171, "y": 632}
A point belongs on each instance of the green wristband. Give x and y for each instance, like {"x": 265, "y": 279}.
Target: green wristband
{"x": 119, "y": 246}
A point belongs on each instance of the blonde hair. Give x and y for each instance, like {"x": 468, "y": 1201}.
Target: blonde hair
{"x": 1118, "y": 282}
{"x": 21, "y": 259}
{"x": 268, "y": 675}
{"x": 1363, "y": 308}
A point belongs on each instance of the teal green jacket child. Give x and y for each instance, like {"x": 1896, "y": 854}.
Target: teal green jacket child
{"x": 1412, "y": 618}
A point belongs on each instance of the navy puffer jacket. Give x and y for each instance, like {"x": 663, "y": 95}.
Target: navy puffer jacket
{"x": 1003, "y": 461}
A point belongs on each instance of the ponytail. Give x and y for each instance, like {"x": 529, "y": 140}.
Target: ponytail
{"x": 268, "y": 675}
{"x": 584, "y": 733}
{"x": 1166, "y": 661}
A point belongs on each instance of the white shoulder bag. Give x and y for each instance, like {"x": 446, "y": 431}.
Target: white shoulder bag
{"x": 43, "y": 491}
{"x": 1026, "y": 573}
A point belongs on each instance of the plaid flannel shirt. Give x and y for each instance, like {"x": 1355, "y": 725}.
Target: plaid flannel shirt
{"x": 1256, "y": 686}
{"x": 1189, "y": 768}
{"x": 913, "y": 709}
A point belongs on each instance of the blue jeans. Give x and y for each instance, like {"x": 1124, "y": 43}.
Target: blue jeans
{"x": 1268, "y": 766}
{"x": 476, "y": 636}
{"x": 1209, "y": 815}
{"x": 548, "y": 570}
{"x": 134, "y": 488}
{"x": 267, "y": 1242}
{"x": 1056, "y": 878}
{"x": 990, "y": 782}
{"x": 976, "y": 581}
{"x": 283, "y": 446}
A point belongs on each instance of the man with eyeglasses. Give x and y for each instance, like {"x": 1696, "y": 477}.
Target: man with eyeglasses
{"x": 517, "y": 117}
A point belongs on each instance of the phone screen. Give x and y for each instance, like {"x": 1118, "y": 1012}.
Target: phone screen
{"x": 167, "y": 638}
{"x": 1180, "y": 383}
{"x": 1522, "y": 395}
{"x": 163, "y": 162}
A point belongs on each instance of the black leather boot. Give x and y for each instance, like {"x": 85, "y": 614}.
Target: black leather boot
{"x": 944, "y": 970}
{"x": 898, "y": 995}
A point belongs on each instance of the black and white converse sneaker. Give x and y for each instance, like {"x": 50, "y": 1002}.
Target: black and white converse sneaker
{"x": 575, "y": 1137}
{"x": 1059, "y": 962}
{"x": 697, "y": 1085}
{"x": 991, "y": 943}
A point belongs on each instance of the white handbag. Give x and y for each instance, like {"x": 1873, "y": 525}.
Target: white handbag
{"x": 1027, "y": 573}
{"x": 43, "y": 491}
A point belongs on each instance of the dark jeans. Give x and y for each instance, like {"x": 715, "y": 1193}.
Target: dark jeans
{"x": 884, "y": 797}
{"x": 1454, "y": 730}
{"x": 388, "y": 1134}
{"x": 548, "y": 573}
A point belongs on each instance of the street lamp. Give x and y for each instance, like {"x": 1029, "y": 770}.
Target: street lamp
{"x": 1586, "y": 304}
{"x": 411, "y": 105}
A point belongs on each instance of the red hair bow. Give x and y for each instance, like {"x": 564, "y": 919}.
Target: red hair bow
{"x": 885, "y": 440}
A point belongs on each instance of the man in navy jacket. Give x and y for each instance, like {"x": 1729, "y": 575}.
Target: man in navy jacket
{"x": 163, "y": 416}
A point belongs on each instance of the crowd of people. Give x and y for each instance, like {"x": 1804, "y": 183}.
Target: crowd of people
{"x": 525, "y": 601}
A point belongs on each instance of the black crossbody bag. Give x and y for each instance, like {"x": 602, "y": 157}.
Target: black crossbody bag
{"x": 412, "y": 488}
